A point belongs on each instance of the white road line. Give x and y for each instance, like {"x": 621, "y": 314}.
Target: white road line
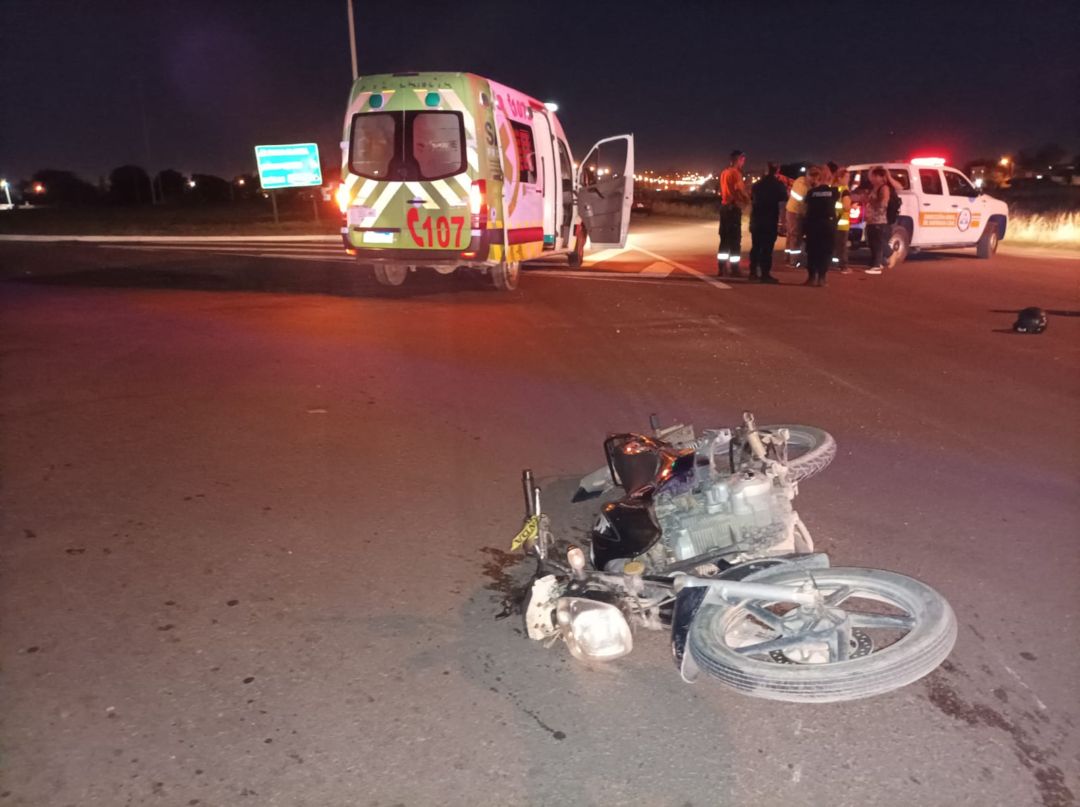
{"x": 153, "y": 239}
{"x": 716, "y": 284}
{"x": 611, "y": 277}
{"x": 252, "y": 253}
{"x": 314, "y": 249}
{"x": 658, "y": 269}
{"x": 603, "y": 255}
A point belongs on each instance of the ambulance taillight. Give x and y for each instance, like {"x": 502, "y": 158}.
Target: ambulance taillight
{"x": 478, "y": 204}
{"x": 341, "y": 196}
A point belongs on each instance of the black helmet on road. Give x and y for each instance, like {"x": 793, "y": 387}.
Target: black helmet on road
{"x": 1030, "y": 320}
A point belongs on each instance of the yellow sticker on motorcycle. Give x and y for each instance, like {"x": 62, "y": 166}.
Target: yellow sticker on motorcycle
{"x": 528, "y": 533}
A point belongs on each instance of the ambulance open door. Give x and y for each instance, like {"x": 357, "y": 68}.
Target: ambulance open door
{"x": 605, "y": 190}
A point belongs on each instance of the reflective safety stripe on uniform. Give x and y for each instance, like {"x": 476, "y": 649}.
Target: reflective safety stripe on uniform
{"x": 723, "y": 256}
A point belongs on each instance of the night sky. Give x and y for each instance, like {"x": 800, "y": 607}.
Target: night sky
{"x": 692, "y": 80}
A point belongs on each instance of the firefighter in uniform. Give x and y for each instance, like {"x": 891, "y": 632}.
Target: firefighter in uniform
{"x": 733, "y": 197}
{"x": 819, "y": 227}
{"x": 795, "y": 211}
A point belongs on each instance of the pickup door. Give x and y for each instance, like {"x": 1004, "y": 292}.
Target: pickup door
{"x": 968, "y": 205}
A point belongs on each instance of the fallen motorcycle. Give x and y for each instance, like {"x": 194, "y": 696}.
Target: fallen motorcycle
{"x": 703, "y": 540}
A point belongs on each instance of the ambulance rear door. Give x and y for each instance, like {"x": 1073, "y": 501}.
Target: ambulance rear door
{"x": 605, "y": 190}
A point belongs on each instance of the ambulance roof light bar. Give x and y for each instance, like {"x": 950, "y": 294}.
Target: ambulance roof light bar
{"x": 937, "y": 162}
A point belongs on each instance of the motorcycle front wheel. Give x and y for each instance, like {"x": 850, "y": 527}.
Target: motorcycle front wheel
{"x": 810, "y": 449}
{"x": 877, "y": 631}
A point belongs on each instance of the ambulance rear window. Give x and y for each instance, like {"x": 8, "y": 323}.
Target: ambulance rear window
{"x": 438, "y": 144}
{"x": 407, "y": 146}
{"x": 374, "y": 144}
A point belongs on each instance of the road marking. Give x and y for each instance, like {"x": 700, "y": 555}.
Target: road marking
{"x": 716, "y": 284}
{"x": 603, "y": 255}
{"x": 180, "y": 239}
{"x": 611, "y": 277}
{"x": 658, "y": 269}
{"x": 251, "y": 252}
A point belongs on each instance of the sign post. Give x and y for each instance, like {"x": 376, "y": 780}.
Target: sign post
{"x": 293, "y": 165}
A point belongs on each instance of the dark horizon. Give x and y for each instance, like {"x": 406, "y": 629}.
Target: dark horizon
{"x": 79, "y": 80}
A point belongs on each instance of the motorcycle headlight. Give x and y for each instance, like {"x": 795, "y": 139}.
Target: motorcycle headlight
{"x": 593, "y": 630}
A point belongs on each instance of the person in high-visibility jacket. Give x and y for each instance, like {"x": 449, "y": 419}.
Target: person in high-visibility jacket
{"x": 733, "y": 198}
{"x": 795, "y": 212}
{"x": 843, "y": 221}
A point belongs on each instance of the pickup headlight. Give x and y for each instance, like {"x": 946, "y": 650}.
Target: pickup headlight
{"x": 593, "y": 630}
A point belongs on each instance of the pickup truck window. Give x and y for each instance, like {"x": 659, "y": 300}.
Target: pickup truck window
{"x": 930, "y": 179}
{"x": 861, "y": 178}
{"x": 958, "y": 184}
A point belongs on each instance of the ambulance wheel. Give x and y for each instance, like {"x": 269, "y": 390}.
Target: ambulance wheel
{"x": 988, "y": 243}
{"x": 505, "y": 276}
{"x": 575, "y": 258}
{"x": 899, "y": 246}
{"x": 391, "y": 274}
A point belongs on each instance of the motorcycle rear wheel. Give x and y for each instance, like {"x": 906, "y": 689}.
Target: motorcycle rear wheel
{"x": 721, "y": 638}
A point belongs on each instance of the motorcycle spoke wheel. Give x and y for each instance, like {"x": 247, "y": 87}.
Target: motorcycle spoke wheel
{"x": 875, "y": 631}
{"x": 810, "y": 450}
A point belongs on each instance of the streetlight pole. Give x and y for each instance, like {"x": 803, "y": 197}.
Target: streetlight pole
{"x": 352, "y": 39}
{"x": 7, "y": 190}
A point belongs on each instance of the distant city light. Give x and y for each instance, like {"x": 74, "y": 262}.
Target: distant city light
{"x": 38, "y": 188}
{"x": 191, "y": 183}
{"x": 1004, "y": 161}
{"x": 240, "y": 181}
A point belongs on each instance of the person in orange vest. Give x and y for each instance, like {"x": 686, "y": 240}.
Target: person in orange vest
{"x": 733, "y": 198}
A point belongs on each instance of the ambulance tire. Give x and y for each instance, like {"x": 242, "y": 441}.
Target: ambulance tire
{"x": 504, "y": 276}
{"x": 899, "y": 245}
{"x": 391, "y": 274}
{"x": 575, "y": 258}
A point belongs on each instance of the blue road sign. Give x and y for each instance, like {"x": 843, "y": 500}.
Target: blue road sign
{"x": 289, "y": 166}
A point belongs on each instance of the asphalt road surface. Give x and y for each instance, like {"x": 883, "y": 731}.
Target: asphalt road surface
{"x": 257, "y": 513}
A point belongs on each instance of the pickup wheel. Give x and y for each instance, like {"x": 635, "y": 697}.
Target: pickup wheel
{"x": 988, "y": 243}
{"x": 899, "y": 246}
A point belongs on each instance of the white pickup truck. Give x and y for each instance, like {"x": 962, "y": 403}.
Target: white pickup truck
{"x": 940, "y": 209}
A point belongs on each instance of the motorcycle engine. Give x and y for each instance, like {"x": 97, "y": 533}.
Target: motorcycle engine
{"x": 746, "y": 513}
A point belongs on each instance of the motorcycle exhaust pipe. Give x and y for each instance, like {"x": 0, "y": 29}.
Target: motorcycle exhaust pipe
{"x": 529, "y": 485}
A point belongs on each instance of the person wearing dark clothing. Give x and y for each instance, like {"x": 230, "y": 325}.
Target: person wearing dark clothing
{"x": 733, "y": 198}
{"x": 767, "y": 195}
{"x": 820, "y": 229}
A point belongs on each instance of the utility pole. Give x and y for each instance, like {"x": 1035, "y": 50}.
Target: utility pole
{"x": 352, "y": 39}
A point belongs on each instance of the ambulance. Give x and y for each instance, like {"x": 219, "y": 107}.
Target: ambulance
{"x": 940, "y": 208}
{"x": 452, "y": 171}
